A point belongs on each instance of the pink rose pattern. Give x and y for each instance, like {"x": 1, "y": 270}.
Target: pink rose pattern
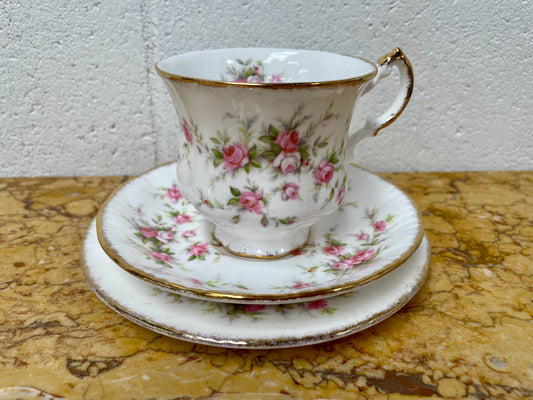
{"x": 165, "y": 236}
{"x": 255, "y": 311}
{"x": 254, "y": 308}
{"x": 285, "y": 150}
{"x": 317, "y": 304}
{"x": 186, "y": 130}
{"x": 301, "y": 285}
{"x": 158, "y": 237}
{"x": 198, "y": 250}
{"x": 148, "y": 233}
{"x": 181, "y": 218}
{"x": 173, "y": 194}
{"x": 288, "y": 141}
{"x": 251, "y": 72}
{"x": 340, "y": 257}
{"x": 379, "y": 226}
{"x": 333, "y": 250}
{"x": 235, "y": 156}
{"x": 340, "y": 195}
{"x": 252, "y": 201}
{"x": 159, "y": 256}
{"x": 290, "y": 191}
{"x": 369, "y": 245}
{"x": 324, "y": 172}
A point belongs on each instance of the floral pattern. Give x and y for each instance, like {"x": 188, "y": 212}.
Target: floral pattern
{"x": 171, "y": 237}
{"x": 369, "y": 245}
{"x": 251, "y": 71}
{"x": 253, "y": 325}
{"x": 286, "y": 151}
{"x": 252, "y": 200}
{"x": 289, "y": 191}
{"x": 252, "y": 312}
{"x": 248, "y": 200}
{"x": 167, "y": 240}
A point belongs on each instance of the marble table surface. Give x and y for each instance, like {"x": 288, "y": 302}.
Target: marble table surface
{"x": 468, "y": 333}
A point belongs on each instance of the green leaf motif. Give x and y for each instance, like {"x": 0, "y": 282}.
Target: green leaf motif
{"x": 269, "y": 155}
{"x": 266, "y": 139}
{"x": 273, "y": 131}
{"x": 333, "y": 159}
{"x": 276, "y": 148}
{"x": 233, "y": 201}
{"x": 252, "y": 152}
{"x": 234, "y": 191}
{"x": 303, "y": 152}
{"x": 217, "y": 153}
{"x": 287, "y": 221}
{"x": 247, "y": 168}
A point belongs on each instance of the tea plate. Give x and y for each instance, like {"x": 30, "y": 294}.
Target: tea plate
{"x": 251, "y": 325}
{"x": 149, "y": 230}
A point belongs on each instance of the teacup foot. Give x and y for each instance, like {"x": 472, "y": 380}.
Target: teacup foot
{"x": 256, "y": 245}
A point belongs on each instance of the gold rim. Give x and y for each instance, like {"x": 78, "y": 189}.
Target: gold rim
{"x": 266, "y": 85}
{"x": 243, "y": 297}
{"x": 259, "y": 343}
{"x": 260, "y": 257}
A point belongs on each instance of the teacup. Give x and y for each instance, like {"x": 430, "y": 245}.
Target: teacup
{"x": 265, "y": 137}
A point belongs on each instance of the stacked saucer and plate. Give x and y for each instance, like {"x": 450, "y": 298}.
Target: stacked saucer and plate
{"x": 261, "y": 234}
{"x": 152, "y": 258}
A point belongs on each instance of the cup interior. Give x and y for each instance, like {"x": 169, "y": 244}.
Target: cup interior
{"x": 265, "y": 66}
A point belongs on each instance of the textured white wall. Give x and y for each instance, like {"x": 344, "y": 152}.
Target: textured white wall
{"x": 79, "y": 96}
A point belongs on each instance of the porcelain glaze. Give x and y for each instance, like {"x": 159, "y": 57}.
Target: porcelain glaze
{"x": 264, "y": 138}
{"x": 150, "y": 230}
{"x": 251, "y": 326}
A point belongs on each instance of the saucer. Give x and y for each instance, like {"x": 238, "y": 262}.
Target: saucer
{"x": 149, "y": 230}
{"x": 251, "y": 325}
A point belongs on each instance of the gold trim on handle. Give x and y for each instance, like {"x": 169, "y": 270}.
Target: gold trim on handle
{"x": 397, "y": 55}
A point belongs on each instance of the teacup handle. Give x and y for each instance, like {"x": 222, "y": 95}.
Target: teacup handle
{"x": 396, "y": 58}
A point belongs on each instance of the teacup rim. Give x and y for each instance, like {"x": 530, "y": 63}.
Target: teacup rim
{"x": 267, "y": 85}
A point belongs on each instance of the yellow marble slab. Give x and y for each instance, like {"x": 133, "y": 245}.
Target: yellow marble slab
{"x": 467, "y": 334}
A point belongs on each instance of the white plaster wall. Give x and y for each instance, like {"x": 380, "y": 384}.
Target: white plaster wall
{"x": 79, "y": 96}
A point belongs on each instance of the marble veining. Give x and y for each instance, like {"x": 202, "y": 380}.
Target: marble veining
{"x": 468, "y": 333}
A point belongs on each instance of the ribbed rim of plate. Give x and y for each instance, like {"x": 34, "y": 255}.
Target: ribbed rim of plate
{"x": 245, "y": 343}
{"x": 303, "y": 295}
